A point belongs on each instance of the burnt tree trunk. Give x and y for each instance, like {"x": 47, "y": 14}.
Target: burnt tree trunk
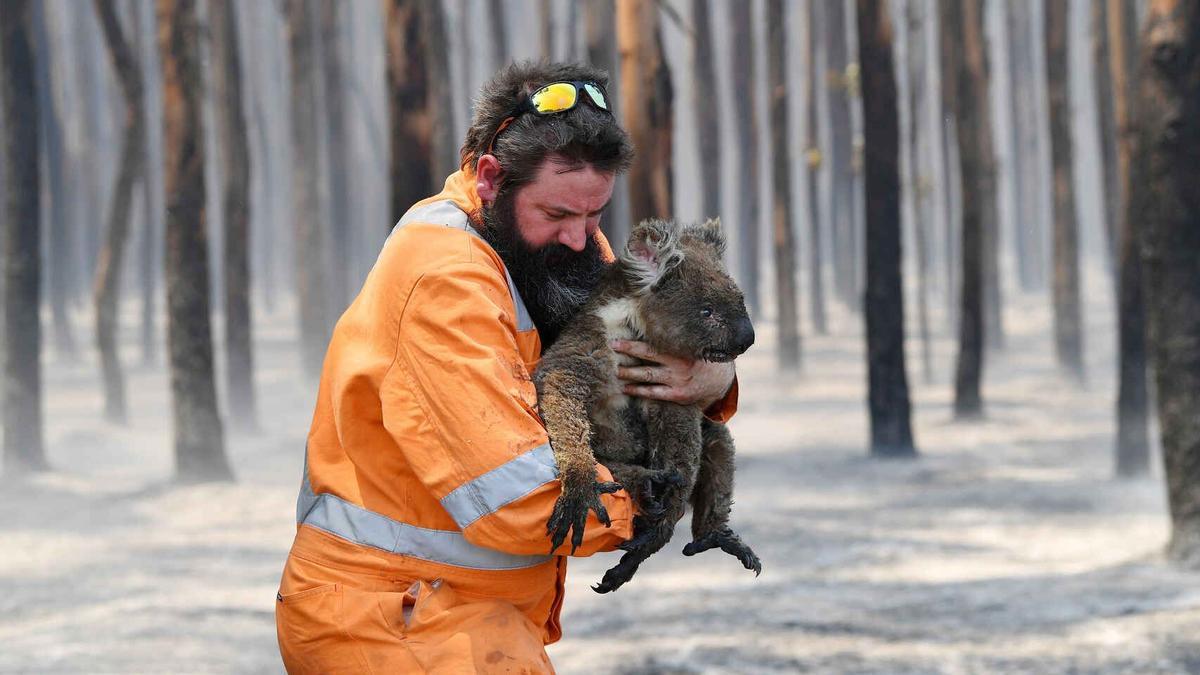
{"x": 23, "y": 445}
{"x": 499, "y": 29}
{"x": 1133, "y": 434}
{"x": 891, "y": 429}
{"x": 107, "y": 287}
{"x": 1106, "y": 119}
{"x": 199, "y": 437}
{"x": 152, "y": 208}
{"x": 647, "y": 99}
{"x": 311, "y": 273}
{"x": 1068, "y": 319}
{"x": 783, "y": 234}
{"x": 1024, "y": 120}
{"x": 918, "y": 183}
{"x": 235, "y": 170}
{"x": 816, "y": 286}
{"x": 704, "y": 99}
{"x": 970, "y": 103}
{"x": 599, "y": 20}
{"x": 409, "y": 114}
{"x": 1167, "y": 167}
{"x": 443, "y": 144}
{"x": 746, "y": 132}
{"x": 546, "y": 28}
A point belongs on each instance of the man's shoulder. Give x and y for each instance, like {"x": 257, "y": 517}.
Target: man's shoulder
{"x": 418, "y": 249}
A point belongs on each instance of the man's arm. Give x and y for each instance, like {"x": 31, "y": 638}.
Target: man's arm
{"x": 491, "y": 467}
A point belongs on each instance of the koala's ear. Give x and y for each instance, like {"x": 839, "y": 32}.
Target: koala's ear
{"x": 652, "y": 251}
{"x": 712, "y": 234}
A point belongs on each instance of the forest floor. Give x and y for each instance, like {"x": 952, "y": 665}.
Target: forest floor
{"x": 1006, "y": 546}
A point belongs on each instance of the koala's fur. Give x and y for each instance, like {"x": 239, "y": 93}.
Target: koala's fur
{"x": 669, "y": 289}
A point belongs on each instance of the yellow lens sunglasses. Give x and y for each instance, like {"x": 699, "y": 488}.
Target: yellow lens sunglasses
{"x": 554, "y": 98}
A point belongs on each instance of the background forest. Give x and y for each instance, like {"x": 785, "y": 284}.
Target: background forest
{"x": 968, "y": 233}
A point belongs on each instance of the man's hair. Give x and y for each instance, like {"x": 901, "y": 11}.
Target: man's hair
{"x": 582, "y": 135}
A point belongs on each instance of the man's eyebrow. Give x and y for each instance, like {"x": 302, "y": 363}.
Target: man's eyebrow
{"x": 571, "y": 212}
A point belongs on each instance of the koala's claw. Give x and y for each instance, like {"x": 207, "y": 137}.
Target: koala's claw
{"x": 618, "y": 575}
{"x": 728, "y": 541}
{"x": 656, "y": 490}
{"x": 571, "y": 512}
{"x": 643, "y": 532}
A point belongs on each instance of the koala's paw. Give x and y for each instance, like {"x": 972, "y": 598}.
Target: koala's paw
{"x": 571, "y": 511}
{"x": 620, "y": 573}
{"x": 657, "y": 489}
{"x": 728, "y": 541}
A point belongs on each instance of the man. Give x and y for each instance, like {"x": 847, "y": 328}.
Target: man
{"x": 421, "y": 542}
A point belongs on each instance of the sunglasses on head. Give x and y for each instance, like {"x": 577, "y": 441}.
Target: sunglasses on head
{"x": 553, "y": 98}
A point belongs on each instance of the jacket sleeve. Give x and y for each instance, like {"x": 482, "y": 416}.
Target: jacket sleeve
{"x": 484, "y": 453}
{"x": 723, "y": 410}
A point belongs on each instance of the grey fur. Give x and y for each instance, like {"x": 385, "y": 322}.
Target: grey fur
{"x": 669, "y": 289}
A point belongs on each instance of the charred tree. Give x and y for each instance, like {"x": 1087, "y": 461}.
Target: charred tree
{"x": 1068, "y": 315}
{"x": 1133, "y": 435}
{"x": 151, "y": 181}
{"x": 106, "y": 292}
{"x": 599, "y": 22}
{"x": 1023, "y": 116}
{"x": 647, "y": 97}
{"x": 783, "y": 234}
{"x": 199, "y": 437}
{"x": 891, "y": 428}
{"x": 443, "y": 145}
{"x": 704, "y": 93}
{"x": 816, "y": 285}
{"x": 499, "y": 28}
{"x": 409, "y": 113}
{"x": 970, "y": 103}
{"x": 1167, "y": 167}
{"x": 311, "y": 274}
{"x": 235, "y": 205}
{"x": 746, "y": 132}
{"x": 546, "y": 28}
{"x": 23, "y": 445}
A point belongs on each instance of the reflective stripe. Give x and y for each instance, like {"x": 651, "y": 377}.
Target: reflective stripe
{"x": 447, "y": 213}
{"x": 506, "y": 483}
{"x": 354, "y": 523}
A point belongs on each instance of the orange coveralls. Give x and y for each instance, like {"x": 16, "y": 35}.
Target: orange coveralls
{"x": 421, "y": 539}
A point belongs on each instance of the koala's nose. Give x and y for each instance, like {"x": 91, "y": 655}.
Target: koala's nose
{"x": 743, "y": 335}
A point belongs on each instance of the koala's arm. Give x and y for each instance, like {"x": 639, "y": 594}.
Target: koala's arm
{"x": 484, "y": 453}
{"x": 570, "y": 380}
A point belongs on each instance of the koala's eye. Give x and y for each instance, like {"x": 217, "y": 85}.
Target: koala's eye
{"x": 706, "y": 312}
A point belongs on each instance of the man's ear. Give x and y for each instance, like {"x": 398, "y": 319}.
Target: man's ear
{"x": 488, "y": 175}
{"x": 652, "y": 251}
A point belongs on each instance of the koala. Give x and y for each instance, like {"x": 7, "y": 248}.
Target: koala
{"x": 669, "y": 289}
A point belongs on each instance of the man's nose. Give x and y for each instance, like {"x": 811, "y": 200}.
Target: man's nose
{"x": 573, "y": 237}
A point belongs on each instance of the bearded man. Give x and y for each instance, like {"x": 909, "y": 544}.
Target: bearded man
{"x": 421, "y": 542}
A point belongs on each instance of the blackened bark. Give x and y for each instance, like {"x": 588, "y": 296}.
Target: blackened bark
{"x": 746, "y": 121}
{"x": 891, "y": 429}
{"x": 311, "y": 273}
{"x": 647, "y": 97}
{"x": 1133, "y": 434}
{"x": 1024, "y": 119}
{"x": 235, "y": 170}
{"x": 1167, "y": 167}
{"x": 408, "y": 108}
{"x": 23, "y": 444}
{"x": 704, "y": 97}
{"x": 783, "y": 233}
{"x": 443, "y": 145}
{"x": 970, "y": 101}
{"x": 108, "y": 268}
{"x": 152, "y": 208}
{"x": 499, "y": 30}
{"x": 816, "y": 275}
{"x": 1068, "y": 315}
{"x": 199, "y": 438}
{"x": 546, "y": 28}
{"x": 599, "y": 19}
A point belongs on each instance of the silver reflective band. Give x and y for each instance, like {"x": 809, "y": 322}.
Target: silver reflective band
{"x": 447, "y": 213}
{"x": 354, "y": 523}
{"x": 506, "y": 483}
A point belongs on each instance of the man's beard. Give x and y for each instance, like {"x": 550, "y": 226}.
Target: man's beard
{"x": 554, "y": 281}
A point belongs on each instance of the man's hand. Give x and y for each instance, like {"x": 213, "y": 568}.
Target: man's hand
{"x": 669, "y": 378}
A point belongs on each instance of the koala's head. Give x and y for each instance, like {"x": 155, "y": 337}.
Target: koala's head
{"x": 687, "y": 302}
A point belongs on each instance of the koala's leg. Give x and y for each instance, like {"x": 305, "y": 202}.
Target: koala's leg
{"x": 712, "y": 499}
{"x": 565, "y": 393}
{"x": 646, "y": 486}
{"x": 675, "y": 447}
